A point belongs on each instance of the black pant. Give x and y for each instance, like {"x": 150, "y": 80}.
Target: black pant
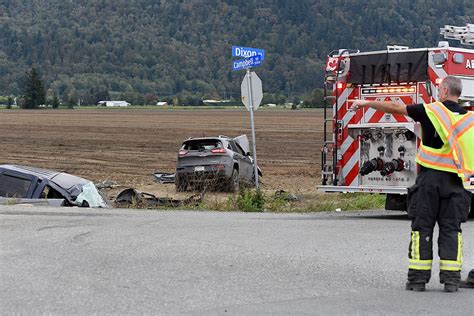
{"x": 437, "y": 196}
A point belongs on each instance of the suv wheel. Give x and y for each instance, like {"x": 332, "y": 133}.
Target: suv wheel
{"x": 234, "y": 183}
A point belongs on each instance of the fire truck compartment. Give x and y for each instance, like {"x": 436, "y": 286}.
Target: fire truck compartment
{"x": 386, "y": 153}
{"x": 467, "y": 89}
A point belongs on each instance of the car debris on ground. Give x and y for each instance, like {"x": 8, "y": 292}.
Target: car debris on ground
{"x": 131, "y": 197}
{"x": 286, "y": 196}
{"x": 107, "y": 184}
{"x": 164, "y": 177}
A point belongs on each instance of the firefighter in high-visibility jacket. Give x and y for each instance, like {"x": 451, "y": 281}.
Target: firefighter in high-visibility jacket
{"x": 446, "y": 159}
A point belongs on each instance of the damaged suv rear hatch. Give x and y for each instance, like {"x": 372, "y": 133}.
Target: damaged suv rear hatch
{"x": 202, "y": 153}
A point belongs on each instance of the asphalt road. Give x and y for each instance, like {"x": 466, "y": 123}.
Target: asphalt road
{"x": 84, "y": 261}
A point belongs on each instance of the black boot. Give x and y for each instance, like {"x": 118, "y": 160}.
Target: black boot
{"x": 451, "y": 287}
{"x": 417, "y": 287}
{"x": 469, "y": 283}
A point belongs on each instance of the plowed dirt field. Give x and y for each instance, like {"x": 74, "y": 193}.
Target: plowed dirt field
{"x": 128, "y": 145}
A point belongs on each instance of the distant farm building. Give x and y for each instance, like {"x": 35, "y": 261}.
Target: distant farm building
{"x": 114, "y": 103}
{"x": 162, "y": 103}
{"x": 222, "y": 102}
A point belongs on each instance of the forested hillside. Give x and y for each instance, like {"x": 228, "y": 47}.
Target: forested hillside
{"x": 139, "y": 47}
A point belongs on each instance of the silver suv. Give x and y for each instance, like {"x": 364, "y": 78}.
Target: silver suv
{"x": 219, "y": 163}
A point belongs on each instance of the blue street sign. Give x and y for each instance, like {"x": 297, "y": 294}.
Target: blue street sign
{"x": 246, "y": 63}
{"x": 247, "y": 52}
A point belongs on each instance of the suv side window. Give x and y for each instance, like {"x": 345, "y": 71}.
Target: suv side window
{"x": 240, "y": 149}
{"x": 11, "y": 186}
{"x": 236, "y": 148}
{"x": 50, "y": 193}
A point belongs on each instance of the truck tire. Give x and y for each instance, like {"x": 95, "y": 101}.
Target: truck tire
{"x": 396, "y": 202}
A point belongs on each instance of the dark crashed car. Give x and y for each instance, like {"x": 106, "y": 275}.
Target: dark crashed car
{"x": 219, "y": 163}
{"x": 29, "y": 184}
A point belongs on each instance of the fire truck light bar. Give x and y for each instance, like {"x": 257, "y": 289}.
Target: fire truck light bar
{"x": 389, "y": 90}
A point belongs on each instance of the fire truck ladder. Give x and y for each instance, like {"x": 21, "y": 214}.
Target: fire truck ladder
{"x": 328, "y": 163}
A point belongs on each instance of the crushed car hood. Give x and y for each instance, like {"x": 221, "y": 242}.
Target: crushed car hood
{"x": 243, "y": 141}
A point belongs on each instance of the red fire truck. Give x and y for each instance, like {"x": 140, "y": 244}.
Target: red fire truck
{"x": 370, "y": 151}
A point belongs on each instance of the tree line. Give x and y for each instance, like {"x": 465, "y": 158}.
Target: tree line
{"x": 34, "y": 95}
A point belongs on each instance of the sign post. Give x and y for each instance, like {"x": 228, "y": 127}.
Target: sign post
{"x": 252, "y": 126}
{"x": 251, "y": 89}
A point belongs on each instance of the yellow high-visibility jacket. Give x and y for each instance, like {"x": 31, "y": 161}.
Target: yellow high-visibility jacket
{"x": 457, "y": 133}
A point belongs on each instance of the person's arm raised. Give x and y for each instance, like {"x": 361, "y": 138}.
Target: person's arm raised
{"x": 384, "y": 106}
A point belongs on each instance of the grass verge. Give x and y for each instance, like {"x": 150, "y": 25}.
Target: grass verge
{"x": 249, "y": 200}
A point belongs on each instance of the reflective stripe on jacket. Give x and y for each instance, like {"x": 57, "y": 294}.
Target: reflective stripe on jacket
{"x": 457, "y": 133}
